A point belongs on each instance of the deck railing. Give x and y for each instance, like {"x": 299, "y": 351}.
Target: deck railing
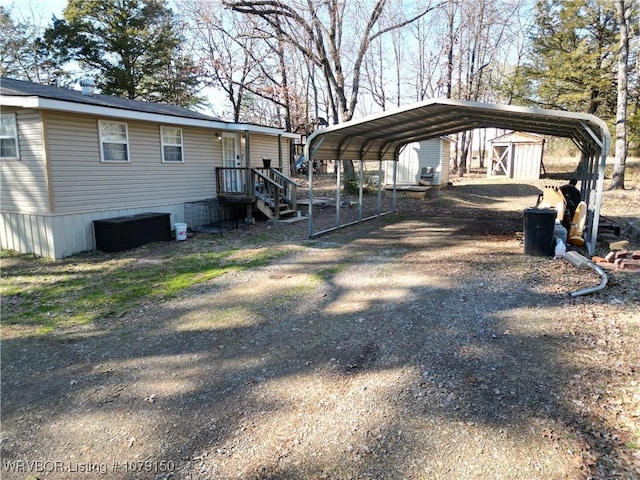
{"x": 268, "y": 184}
{"x": 289, "y": 188}
{"x": 233, "y": 181}
{"x": 267, "y": 190}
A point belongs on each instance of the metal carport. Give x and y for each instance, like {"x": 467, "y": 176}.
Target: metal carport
{"x": 381, "y": 137}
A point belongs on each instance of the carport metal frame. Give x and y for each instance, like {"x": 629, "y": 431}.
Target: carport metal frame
{"x": 381, "y": 137}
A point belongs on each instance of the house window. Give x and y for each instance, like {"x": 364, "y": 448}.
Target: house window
{"x": 8, "y": 136}
{"x": 114, "y": 142}
{"x": 171, "y": 144}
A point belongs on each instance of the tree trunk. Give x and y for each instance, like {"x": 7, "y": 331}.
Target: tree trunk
{"x": 623, "y": 12}
{"x": 450, "y": 46}
{"x": 482, "y": 141}
{"x": 454, "y": 160}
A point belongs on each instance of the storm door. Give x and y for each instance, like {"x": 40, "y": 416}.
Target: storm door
{"x": 231, "y": 161}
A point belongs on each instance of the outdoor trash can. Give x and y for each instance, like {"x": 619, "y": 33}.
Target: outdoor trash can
{"x": 539, "y": 225}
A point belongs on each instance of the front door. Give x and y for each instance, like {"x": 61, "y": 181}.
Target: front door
{"x": 231, "y": 160}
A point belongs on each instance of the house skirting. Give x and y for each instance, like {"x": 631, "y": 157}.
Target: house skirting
{"x": 59, "y": 236}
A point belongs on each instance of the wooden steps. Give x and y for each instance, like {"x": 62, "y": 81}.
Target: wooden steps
{"x": 270, "y": 212}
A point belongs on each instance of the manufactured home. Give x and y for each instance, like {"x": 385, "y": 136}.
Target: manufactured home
{"x": 70, "y": 158}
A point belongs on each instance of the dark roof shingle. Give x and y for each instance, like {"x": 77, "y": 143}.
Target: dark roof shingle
{"x": 12, "y": 87}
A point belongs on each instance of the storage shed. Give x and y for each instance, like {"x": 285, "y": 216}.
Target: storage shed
{"x": 433, "y": 154}
{"x": 516, "y": 155}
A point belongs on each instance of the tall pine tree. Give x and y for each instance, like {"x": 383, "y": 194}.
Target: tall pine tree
{"x": 572, "y": 58}
{"x": 130, "y": 46}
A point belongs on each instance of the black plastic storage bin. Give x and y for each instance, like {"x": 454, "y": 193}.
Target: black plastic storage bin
{"x": 125, "y": 233}
{"x": 538, "y": 231}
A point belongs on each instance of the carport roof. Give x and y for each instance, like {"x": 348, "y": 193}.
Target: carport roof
{"x": 380, "y": 136}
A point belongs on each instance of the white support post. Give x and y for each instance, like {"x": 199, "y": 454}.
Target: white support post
{"x": 307, "y": 155}
{"x": 361, "y": 190}
{"x": 395, "y": 174}
{"x": 338, "y": 172}
{"x": 379, "y": 186}
{"x": 596, "y": 212}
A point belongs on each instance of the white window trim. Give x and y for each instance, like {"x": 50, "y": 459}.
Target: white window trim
{"x": 14, "y": 137}
{"x": 163, "y": 144}
{"x": 102, "y": 141}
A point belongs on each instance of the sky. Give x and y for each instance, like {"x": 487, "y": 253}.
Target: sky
{"x": 37, "y": 10}
{"x": 40, "y": 12}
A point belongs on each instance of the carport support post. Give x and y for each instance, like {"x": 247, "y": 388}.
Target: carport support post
{"x": 584, "y": 176}
{"x": 395, "y": 172}
{"x": 596, "y": 212}
{"x": 361, "y": 189}
{"x": 379, "y": 187}
{"x": 338, "y": 172}
{"x": 248, "y": 176}
{"x": 307, "y": 153}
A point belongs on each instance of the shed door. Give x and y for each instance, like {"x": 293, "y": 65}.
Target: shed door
{"x": 501, "y": 163}
{"x": 408, "y": 165}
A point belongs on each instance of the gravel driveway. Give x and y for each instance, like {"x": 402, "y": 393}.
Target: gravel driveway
{"x": 421, "y": 345}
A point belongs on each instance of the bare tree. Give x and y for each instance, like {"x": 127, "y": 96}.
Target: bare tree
{"x": 375, "y": 82}
{"x": 222, "y": 43}
{"x": 296, "y": 61}
{"x": 623, "y": 14}
{"x": 481, "y": 31}
{"x": 316, "y": 29}
{"x": 23, "y": 54}
{"x": 426, "y": 78}
{"x": 398, "y": 60}
{"x": 379, "y": 72}
{"x": 505, "y": 81}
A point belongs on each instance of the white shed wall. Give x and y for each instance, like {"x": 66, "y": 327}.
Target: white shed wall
{"x": 521, "y": 155}
{"x": 428, "y": 153}
{"x": 526, "y": 160}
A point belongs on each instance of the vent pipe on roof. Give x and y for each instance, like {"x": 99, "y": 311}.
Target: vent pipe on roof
{"x": 88, "y": 86}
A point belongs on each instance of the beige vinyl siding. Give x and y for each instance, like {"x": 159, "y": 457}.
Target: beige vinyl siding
{"x": 23, "y": 182}
{"x": 81, "y": 183}
{"x": 266, "y": 146}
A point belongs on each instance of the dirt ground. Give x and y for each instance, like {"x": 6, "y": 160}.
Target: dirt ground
{"x": 419, "y": 345}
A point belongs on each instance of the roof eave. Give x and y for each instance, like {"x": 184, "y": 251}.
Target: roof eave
{"x": 35, "y": 102}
